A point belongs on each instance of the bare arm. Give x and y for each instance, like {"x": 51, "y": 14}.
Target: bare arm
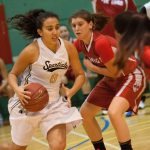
{"x": 4, "y": 73}
{"x": 26, "y": 57}
{"x": 77, "y": 69}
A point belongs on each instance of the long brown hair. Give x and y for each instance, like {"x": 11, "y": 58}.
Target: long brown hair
{"x": 135, "y": 37}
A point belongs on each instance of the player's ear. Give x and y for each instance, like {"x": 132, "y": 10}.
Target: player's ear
{"x": 91, "y": 25}
{"x": 39, "y": 32}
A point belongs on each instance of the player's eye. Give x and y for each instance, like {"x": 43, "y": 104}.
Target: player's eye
{"x": 80, "y": 24}
{"x": 50, "y": 29}
{"x": 57, "y": 27}
{"x": 73, "y": 25}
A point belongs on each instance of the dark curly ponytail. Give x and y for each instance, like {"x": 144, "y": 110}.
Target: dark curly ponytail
{"x": 31, "y": 21}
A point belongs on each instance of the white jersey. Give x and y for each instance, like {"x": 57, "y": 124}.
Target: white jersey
{"x": 147, "y": 6}
{"x": 48, "y": 70}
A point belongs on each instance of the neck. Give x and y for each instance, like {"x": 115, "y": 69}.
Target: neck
{"x": 55, "y": 47}
{"x": 87, "y": 39}
{"x": 52, "y": 47}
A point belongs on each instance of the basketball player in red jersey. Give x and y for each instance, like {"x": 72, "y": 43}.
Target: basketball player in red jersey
{"x": 111, "y": 8}
{"x": 140, "y": 39}
{"x": 120, "y": 23}
{"x": 70, "y": 76}
{"x": 117, "y": 91}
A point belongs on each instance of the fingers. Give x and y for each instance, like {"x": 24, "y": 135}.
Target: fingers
{"x": 24, "y": 96}
{"x": 64, "y": 87}
{"x": 23, "y": 101}
{"x": 69, "y": 102}
{"x": 25, "y": 85}
{"x": 67, "y": 94}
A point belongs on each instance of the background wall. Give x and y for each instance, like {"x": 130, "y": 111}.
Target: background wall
{"x": 64, "y": 8}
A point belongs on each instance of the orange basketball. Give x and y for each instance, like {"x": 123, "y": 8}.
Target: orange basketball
{"x": 39, "y": 97}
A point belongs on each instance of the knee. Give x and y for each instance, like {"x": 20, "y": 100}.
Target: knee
{"x": 83, "y": 113}
{"x": 112, "y": 114}
{"x": 59, "y": 145}
{"x": 86, "y": 114}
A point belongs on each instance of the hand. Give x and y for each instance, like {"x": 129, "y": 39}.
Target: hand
{"x": 87, "y": 63}
{"x": 68, "y": 94}
{"x": 23, "y": 95}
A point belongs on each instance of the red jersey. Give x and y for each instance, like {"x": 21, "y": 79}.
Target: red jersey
{"x": 102, "y": 50}
{"x": 112, "y": 8}
{"x": 146, "y": 60}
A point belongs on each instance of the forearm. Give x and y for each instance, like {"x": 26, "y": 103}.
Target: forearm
{"x": 4, "y": 84}
{"x": 102, "y": 71}
{"x": 79, "y": 81}
{"x": 13, "y": 81}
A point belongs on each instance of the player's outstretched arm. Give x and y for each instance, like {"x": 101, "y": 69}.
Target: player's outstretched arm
{"x": 77, "y": 69}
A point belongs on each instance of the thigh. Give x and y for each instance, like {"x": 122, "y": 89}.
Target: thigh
{"x": 57, "y": 134}
{"x": 59, "y": 113}
{"x": 13, "y": 146}
{"x": 102, "y": 94}
{"x": 119, "y": 105}
{"x": 22, "y": 130}
{"x": 23, "y": 123}
{"x": 133, "y": 88}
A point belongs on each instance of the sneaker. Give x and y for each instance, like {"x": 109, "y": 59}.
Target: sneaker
{"x": 141, "y": 105}
{"x": 104, "y": 112}
{"x": 128, "y": 114}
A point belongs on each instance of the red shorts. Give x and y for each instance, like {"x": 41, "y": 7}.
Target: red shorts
{"x": 129, "y": 87}
{"x": 70, "y": 74}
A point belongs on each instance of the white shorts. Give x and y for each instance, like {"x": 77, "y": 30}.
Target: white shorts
{"x": 24, "y": 124}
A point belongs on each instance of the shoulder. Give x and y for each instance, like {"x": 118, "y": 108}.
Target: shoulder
{"x": 146, "y": 55}
{"x": 31, "y": 48}
{"x": 68, "y": 44}
{"x": 105, "y": 40}
{"x": 71, "y": 49}
{"x": 31, "y": 51}
{"x": 101, "y": 42}
{"x": 146, "y": 51}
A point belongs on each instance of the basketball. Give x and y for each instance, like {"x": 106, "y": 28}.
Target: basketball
{"x": 39, "y": 97}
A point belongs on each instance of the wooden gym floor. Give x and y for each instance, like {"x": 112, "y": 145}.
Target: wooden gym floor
{"x": 139, "y": 127}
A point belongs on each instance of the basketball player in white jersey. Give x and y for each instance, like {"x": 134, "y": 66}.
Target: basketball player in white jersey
{"x": 43, "y": 61}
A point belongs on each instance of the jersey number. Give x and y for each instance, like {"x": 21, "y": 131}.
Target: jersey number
{"x": 53, "y": 78}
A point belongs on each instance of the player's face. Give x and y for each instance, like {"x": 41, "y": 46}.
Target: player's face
{"x": 81, "y": 28}
{"x": 50, "y": 31}
{"x": 64, "y": 33}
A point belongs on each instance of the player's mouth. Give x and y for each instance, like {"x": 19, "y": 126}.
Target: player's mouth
{"x": 78, "y": 34}
{"x": 55, "y": 38}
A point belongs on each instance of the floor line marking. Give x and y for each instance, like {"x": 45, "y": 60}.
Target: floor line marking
{"x": 39, "y": 141}
{"x": 85, "y": 136}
